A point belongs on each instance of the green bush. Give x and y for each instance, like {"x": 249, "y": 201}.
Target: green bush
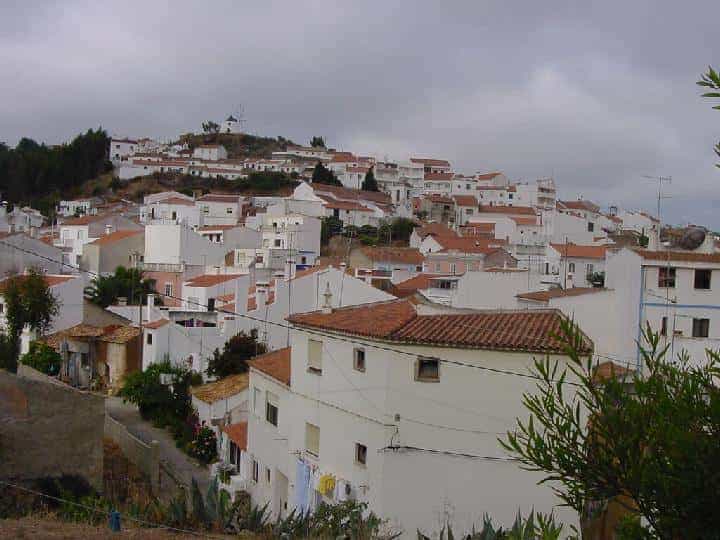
{"x": 42, "y": 358}
{"x": 204, "y": 446}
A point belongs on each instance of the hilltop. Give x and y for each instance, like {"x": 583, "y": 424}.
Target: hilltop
{"x": 240, "y": 145}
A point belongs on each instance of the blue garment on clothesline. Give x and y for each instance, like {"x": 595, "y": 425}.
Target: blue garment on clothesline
{"x": 302, "y": 486}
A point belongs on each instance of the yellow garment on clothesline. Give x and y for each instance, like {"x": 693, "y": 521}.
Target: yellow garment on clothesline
{"x": 326, "y": 484}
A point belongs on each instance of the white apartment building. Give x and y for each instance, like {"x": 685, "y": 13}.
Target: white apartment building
{"x": 210, "y": 152}
{"x": 220, "y": 208}
{"x": 121, "y": 149}
{"x": 374, "y": 402}
{"x": 574, "y": 263}
{"x": 172, "y": 209}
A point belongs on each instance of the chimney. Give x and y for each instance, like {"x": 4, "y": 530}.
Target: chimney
{"x": 327, "y": 304}
{"x": 261, "y": 293}
{"x": 121, "y": 301}
{"x": 108, "y": 229}
{"x": 149, "y": 310}
{"x": 290, "y": 269}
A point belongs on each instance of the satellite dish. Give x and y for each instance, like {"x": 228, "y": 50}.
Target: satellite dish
{"x": 692, "y": 238}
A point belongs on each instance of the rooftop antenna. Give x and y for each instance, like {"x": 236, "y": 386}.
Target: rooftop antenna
{"x": 239, "y": 115}
{"x": 660, "y": 181}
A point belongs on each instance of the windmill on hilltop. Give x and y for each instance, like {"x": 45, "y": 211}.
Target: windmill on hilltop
{"x": 235, "y": 122}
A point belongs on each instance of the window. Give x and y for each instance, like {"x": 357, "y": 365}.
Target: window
{"x": 267, "y": 475}
{"x": 453, "y": 268}
{"x": 360, "y": 454}
{"x": 2, "y": 308}
{"x": 571, "y": 267}
{"x": 211, "y": 304}
{"x": 702, "y": 278}
{"x": 663, "y": 326}
{"x": 168, "y": 289}
{"x": 315, "y": 356}
{"x": 149, "y": 338}
{"x": 255, "y": 471}
{"x": 437, "y": 267}
{"x": 257, "y": 401}
{"x": 469, "y": 211}
{"x": 312, "y": 439}
{"x": 359, "y": 359}
{"x": 510, "y": 195}
{"x": 278, "y": 242}
{"x": 427, "y": 370}
{"x": 591, "y": 226}
{"x": 174, "y": 216}
{"x": 666, "y": 277}
{"x": 271, "y": 409}
{"x": 701, "y": 328}
{"x": 590, "y": 269}
{"x": 229, "y": 210}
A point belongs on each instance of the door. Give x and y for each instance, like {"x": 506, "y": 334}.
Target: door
{"x": 280, "y": 494}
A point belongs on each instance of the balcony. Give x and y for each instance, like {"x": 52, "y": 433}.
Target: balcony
{"x": 161, "y": 267}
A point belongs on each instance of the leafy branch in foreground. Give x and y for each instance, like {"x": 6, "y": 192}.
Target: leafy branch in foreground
{"x": 648, "y": 441}
{"x": 711, "y": 80}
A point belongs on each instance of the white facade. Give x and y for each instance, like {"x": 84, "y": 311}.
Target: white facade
{"x": 175, "y": 245}
{"x": 210, "y": 152}
{"x": 121, "y": 149}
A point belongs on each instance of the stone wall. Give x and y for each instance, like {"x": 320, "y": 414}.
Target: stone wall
{"x": 49, "y": 429}
{"x": 146, "y": 457}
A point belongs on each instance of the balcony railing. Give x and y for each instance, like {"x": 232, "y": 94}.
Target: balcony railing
{"x": 161, "y": 267}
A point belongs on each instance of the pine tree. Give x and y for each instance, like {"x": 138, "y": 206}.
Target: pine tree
{"x": 370, "y": 184}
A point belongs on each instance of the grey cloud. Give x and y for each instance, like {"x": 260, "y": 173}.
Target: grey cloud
{"x": 597, "y": 95}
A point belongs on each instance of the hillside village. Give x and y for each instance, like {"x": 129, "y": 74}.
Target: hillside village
{"x": 395, "y": 306}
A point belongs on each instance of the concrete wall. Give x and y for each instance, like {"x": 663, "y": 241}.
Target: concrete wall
{"x": 145, "y": 456}
{"x": 49, "y": 429}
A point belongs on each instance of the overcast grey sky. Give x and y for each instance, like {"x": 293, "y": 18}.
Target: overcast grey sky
{"x": 596, "y": 95}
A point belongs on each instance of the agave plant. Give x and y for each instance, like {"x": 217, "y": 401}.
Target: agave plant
{"x": 535, "y": 527}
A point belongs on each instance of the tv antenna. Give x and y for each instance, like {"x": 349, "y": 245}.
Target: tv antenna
{"x": 660, "y": 181}
{"x": 239, "y": 115}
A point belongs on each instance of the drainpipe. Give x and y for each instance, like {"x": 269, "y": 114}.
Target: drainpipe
{"x": 641, "y": 303}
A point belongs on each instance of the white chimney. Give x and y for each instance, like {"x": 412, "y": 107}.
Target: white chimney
{"x": 149, "y": 310}
{"x": 261, "y": 292}
{"x": 121, "y": 301}
{"x": 327, "y": 305}
{"x": 290, "y": 269}
{"x": 108, "y": 229}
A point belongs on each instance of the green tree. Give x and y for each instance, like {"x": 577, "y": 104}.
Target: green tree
{"x": 711, "y": 80}
{"x": 329, "y": 227}
{"x": 323, "y": 175}
{"x": 370, "y": 184}
{"x": 28, "y": 302}
{"x": 42, "y": 358}
{"x": 236, "y": 352}
{"x": 649, "y": 441}
{"x": 210, "y": 127}
{"x": 317, "y": 142}
{"x": 402, "y": 228}
{"x": 125, "y": 282}
{"x": 156, "y": 401}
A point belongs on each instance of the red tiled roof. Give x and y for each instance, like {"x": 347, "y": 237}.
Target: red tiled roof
{"x": 208, "y": 280}
{"x": 398, "y": 321}
{"x": 465, "y": 200}
{"x": 521, "y": 220}
{"x": 510, "y": 210}
{"x": 176, "y": 201}
{"x": 115, "y": 237}
{"x": 416, "y": 283}
{"x": 437, "y": 198}
{"x": 50, "y": 280}
{"x": 343, "y": 157}
{"x": 580, "y": 251}
{"x": 83, "y": 220}
{"x": 399, "y": 255}
{"x": 154, "y": 325}
{"x": 488, "y": 176}
{"x": 341, "y": 192}
{"x": 431, "y": 162}
{"x": 478, "y": 229}
{"x": 276, "y": 364}
{"x": 544, "y": 296}
{"x": 358, "y": 169}
{"x": 434, "y": 229}
{"x": 343, "y": 205}
{"x": 469, "y": 244}
{"x": 679, "y": 256}
{"x": 580, "y": 205}
{"x": 237, "y": 433}
{"x": 608, "y": 370}
{"x": 209, "y": 228}
{"x": 220, "y": 197}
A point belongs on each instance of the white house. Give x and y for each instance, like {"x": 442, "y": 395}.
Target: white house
{"x": 210, "y": 152}
{"x": 121, "y": 149}
{"x": 574, "y": 263}
{"x": 231, "y": 125}
{"x": 222, "y": 402}
{"x": 172, "y": 209}
{"x": 220, "y": 208}
{"x": 388, "y": 403}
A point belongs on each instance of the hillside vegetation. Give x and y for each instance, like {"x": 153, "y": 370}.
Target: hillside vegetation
{"x": 239, "y": 146}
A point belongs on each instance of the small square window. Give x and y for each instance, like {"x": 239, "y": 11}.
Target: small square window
{"x": 427, "y": 369}
{"x": 267, "y": 475}
{"x": 663, "y": 326}
{"x": 701, "y": 328}
{"x": 271, "y": 409}
{"x": 255, "y": 471}
{"x": 702, "y": 278}
{"x": 149, "y": 338}
{"x": 359, "y": 359}
{"x": 315, "y": 356}
{"x": 312, "y": 439}
{"x": 360, "y": 454}
{"x": 666, "y": 277}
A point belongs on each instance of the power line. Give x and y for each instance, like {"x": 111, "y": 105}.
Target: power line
{"x": 309, "y": 330}
{"x": 103, "y": 512}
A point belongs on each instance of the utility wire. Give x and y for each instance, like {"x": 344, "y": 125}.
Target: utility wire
{"x": 309, "y": 330}
{"x": 104, "y": 512}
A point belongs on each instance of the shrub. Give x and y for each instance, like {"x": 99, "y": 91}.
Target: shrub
{"x": 42, "y": 358}
{"x": 204, "y": 446}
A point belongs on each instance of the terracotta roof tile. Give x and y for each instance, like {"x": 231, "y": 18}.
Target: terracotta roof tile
{"x": 220, "y": 197}
{"x": 509, "y": 210}
{"x": 431, "y": 162}
{"x": 238, "y": 434}
{"x": 209, "y": 280}
{"x": 276, "y": 364}
{"x": 115, "y": 237}
{"x": 488, "y": 176}
{"x": 438, "y": 176}
{"x": 51, "y": 280}
{"x": 434, "y": 229}
{"x": 398, "y": 321}
{"x": 608, "y": 370}
{"x": 465, "y": 200}
{"x": 154, "y": 325}
{"x": 580, "y": 251}
{"x": 176, "y": 201}
{"x": 222, "y": 388}
{"x": 478, "y": 229}
{"x": 544, "y": 296}
{"x": 415, "y": 283}
{"x": 469, "y": 244}
{"x": 521, "y": 220}
{"x": 580, "y": 205}
{"x": 679, "y": 256}
{"x": 398, "y": 255}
